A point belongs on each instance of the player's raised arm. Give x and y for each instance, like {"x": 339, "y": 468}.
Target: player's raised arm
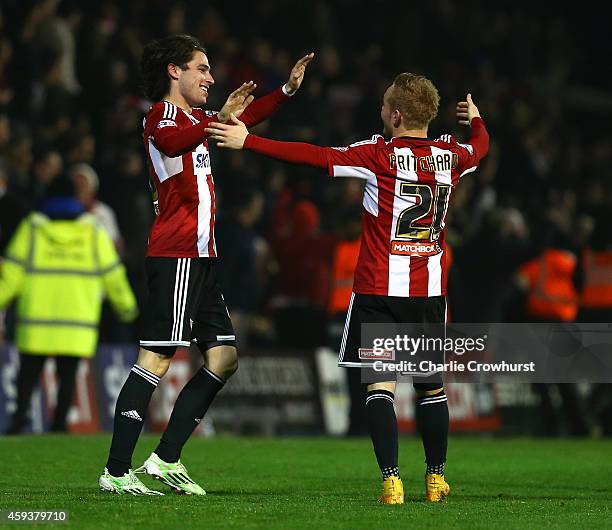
{"x": 262, "y": 108}
{"x": 297, "y": 74}
{"x": 468, "y": 114}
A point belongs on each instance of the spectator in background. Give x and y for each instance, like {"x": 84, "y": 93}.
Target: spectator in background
{"x": 5, "y": 138}
{"x": 344, "y": 261}
{"x": 488, "y": 294}
{"x": 12, "y": 211}
{"x": 302, "y": 286}
{"x": 58, "y": 265}
{"x": 48, "y": 164}
{"x": 243, "y": 253}
{"x": 6, "y": 56}
{"x": 552, "y": 297}
{"x": 52, "y": 106}
{"x": 132, "y": 205}
{"x": 79, "y": 147}
{"x": 86, "y": 182}
{"x": 58, "y": 32}
{"x": 19, "y": 162}
{"x": 595, "y": 304}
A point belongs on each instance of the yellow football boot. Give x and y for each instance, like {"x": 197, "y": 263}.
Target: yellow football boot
{"x": 393, "y": 491}
{"x": 436, "y": 488}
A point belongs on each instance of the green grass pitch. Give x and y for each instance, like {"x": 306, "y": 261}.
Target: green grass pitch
{"x": 318, "y": 483}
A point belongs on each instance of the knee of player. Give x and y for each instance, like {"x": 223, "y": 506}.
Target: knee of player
{"x": 154, "y": 362}
{"x": 231, "y": 366}
{"x": 222, "y": 360}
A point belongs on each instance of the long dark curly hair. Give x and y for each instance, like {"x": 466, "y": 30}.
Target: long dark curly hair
{"x": 158, "y": 54}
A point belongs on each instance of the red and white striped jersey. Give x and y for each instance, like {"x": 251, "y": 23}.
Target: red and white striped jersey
{"x": 181, "y": 175}
{"x": 409, "y": 182}
{"x": 408, "y": 186}
{"x": 183, "y": 187}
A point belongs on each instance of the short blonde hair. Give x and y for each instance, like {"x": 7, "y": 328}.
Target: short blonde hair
{"x": 416, "y": 98}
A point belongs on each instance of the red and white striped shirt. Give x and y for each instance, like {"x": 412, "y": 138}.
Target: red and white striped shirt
{"x": 181, "y": 175}
{"x": 408, "y": 186}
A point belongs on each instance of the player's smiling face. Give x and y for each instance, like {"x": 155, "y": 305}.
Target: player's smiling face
{"x": 195, "y": 80}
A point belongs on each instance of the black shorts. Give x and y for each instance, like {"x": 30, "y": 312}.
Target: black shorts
{"x": 185, "y": 305}
{"x": 378, "y": 309}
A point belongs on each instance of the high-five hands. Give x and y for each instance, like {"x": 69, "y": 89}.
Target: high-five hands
{"x": 233, "y": 136}
{"x": 229, "y": 136}
{"x": 237, "y": 101}
{"x": 297, "y": 73}
{"x": 466, "y": 111}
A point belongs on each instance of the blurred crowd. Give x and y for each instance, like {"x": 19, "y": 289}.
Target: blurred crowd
{"x": 70, "y": 103}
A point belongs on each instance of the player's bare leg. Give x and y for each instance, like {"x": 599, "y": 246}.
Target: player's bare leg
{"x": 222, "y": 360}
{"x": 153, "y": 362}
{"x": 383, "y": 430}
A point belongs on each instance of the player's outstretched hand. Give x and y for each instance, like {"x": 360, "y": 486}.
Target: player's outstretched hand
{"x": 237, "y": 101}
{"x": 229, "y": 136}
{"x": 466, "y": 111}
{"x": 297, "y": 73}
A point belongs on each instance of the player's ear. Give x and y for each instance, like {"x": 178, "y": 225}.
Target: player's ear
{"x": 173, "y": 71}
{"x": 396, "y": 118}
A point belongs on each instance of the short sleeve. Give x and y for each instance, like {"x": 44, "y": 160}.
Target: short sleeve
{"x": 356, "y": 160}
{"x": 468, "y": 160}
{"x": 162, "y": 116}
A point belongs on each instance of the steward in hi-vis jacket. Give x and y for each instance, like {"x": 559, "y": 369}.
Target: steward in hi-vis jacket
{"x": 60, "y": 265}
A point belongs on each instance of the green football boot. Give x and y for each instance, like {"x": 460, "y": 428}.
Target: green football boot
{"x": 173, "y": 475}
{"x": 128, "y": 483}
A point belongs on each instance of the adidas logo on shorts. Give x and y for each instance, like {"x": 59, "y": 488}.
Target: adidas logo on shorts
{"x": 132, "y": 414}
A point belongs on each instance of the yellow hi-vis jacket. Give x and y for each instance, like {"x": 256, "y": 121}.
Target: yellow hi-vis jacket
{"x": 60, "y": 270}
